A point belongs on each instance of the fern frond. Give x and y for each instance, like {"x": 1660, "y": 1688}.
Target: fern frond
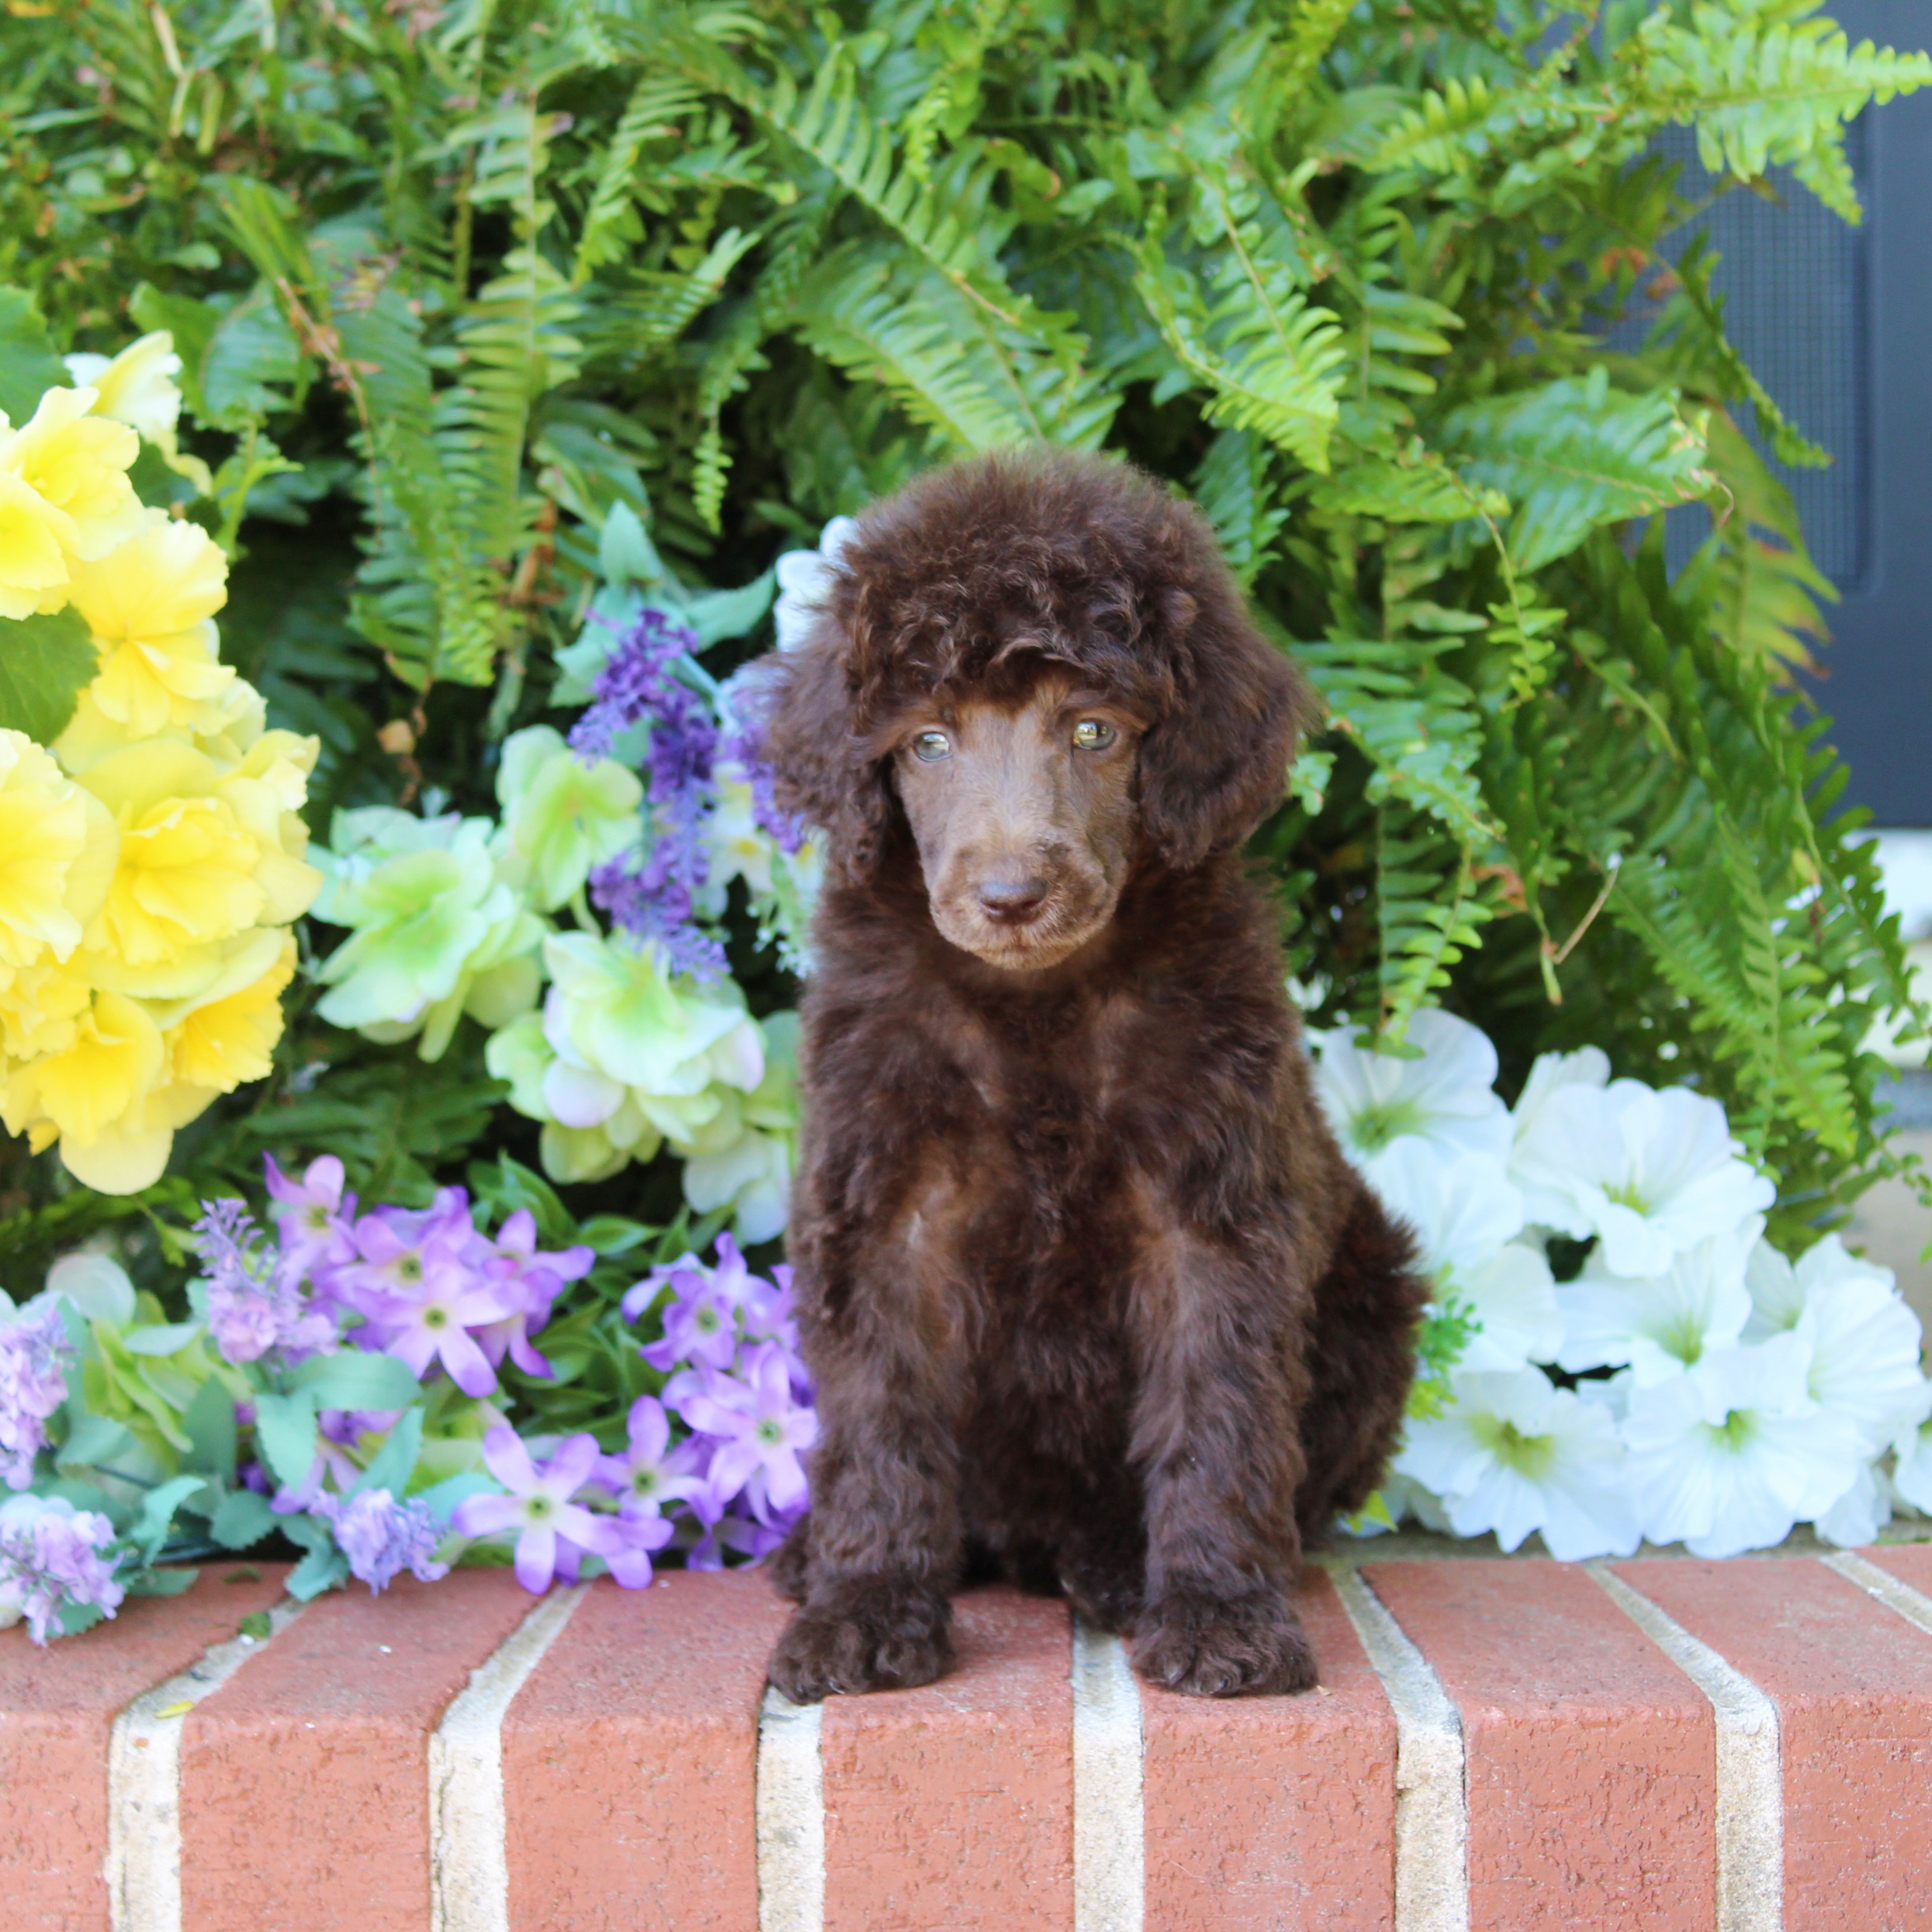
{"x": 1271, "y": 361}
{"x": 1575, "y": 454}
{"x": 846, "y": 311}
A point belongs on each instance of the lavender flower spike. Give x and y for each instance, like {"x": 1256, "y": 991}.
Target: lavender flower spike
{"x": 34, "y": 1356}
{"x": 253, "y": 1306}
{"x": 382, "y": 1536}
{"x": 49, "y": 1557}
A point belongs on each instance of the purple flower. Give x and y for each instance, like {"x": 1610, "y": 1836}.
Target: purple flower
{"x": 654, "y": 900}
{"x": 433, "y": 1324}
{"x": 636, "y": 683}
{"x": 394, "y": 1250}
{"x": 34, "y": 1355}
{"x": 50, "y": 1555}
{"x": 744, "y": 745}
{"x": 758, "y": 1428}
{"x": 311, "y": 1215}
{"x": 554, "y": 1534}
{"x": 629, "y": 1543}
{"x": 650, "y": 1473}
{"x": 700, "y": 1326}
{"x": 381, "y": 1536}
{"x": 254, "y": 1305}
{"x": 530, "y": 1280}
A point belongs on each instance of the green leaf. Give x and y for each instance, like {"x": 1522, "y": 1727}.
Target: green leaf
{"x": 44, "y": 662}
{"x": 162, "y": 1338}
{"x": 92, "y": 1441}
{"x": 157, "y": 1515}
{"x": 285, "y": 1432}
{"x": 208, "y": 1423}
{"x": 241, "y": 1519}
{"x": 445, "y": 1497}
{"x": 356, "y": 1378}
{"x": 1576, "y": 453}
{"x": 392, "y": 1465}
{"x": 28, "y": 366}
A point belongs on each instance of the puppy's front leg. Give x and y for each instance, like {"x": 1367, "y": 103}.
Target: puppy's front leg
{"x": 881, "y": 1549}
{"x": 1214, "y": 1439}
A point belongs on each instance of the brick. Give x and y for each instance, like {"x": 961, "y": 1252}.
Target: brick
{"x": 1910, "y": 1563}
{"x": 1591, "y": 1758}
{"x": 630, "y": 1760}
{"x": 304, "y": 1799}
{"x": 950, "y": 1808}
{"x": 57, "y": 1707}
{"x": 1274, "y": 1814}
{"x": 1853, "y": 1684}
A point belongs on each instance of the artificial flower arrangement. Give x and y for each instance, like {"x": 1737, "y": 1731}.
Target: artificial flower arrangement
{"x": 1685, "y": 1381}
{"x": 643, "y": 1040}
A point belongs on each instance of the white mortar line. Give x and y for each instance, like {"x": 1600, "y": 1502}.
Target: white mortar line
{"x": 1909, "y": 1603}
{"x": 469, "y": 1861}
{"x": 1750, "y": 1779}
{"x": 1109, "y": 1827}
{"x": 791, "y": 1817}
{"x": 144, "y": 1849}
{"x": 1432, "y": 1797}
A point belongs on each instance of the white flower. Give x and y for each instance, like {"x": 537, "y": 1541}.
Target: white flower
{"x": 1589, "y": 1066}
{"x": 1911, "y": 1468}
{"x": 1730, "y": 1454}
{"x": 1443, "y": 1098}
{"x": 1658, "y": 1326}
{"x": 1464, "y": 1212}
{"x": 804, "y": 577}
{"x": 745, "y": 1157}
{"x": 1514, "y": 1453}
{"x": 1860, "y": 1513}
{"x": 1650, "y": 1173}
{"x": 1513, "y": 1297}
{"x": 1865, "y": 1339}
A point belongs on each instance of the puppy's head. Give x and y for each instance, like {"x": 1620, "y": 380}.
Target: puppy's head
{"x": 1037, "y": 668}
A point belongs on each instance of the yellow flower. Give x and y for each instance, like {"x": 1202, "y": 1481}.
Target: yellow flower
{"x": 229, "y": 1037}
{"x": 58, "y": 846}
{"x": 137, "y": 388}
{"x": 150, "y": 604}
{"x": 34, "y": 540}
{"x": 205, "y": 855}
{"x": 79, "y": 464}
{"x": 39, "y": 1004}
{"x": 102, "y": 1076}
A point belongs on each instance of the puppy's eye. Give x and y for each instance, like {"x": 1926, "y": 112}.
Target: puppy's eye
{"x": 1091, "y": 735}
{"x": 930, "y": 746}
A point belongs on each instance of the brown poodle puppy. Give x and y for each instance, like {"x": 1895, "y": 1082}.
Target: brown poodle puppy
{"x": 1092, "y": 1297}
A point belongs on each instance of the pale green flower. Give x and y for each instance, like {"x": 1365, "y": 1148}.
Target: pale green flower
{"x": 561, "y": 816}
{"x": 626, "y": 1056}
{"x": 746, "y": 1155}
{"x": 435, "y": 930}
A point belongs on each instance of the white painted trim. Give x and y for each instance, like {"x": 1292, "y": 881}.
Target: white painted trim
{"x": 1109, "y": 1825}
{"x": 469, "y": 1857}
{"x": 1750, "y": 1778}
{"x": 791, "y": 1817}
{"x": 143, "y": 1868}
{"x": 1914, "y": 1607}
{"x": 1432, "y": 1796}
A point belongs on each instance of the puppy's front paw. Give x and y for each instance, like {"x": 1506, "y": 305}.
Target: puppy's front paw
{"x": 1193, "y": 1641}
{"x": 890, "y": 1642}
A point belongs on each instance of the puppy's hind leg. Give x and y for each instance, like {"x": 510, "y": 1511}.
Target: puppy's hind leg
{"x": 1361, "y": 1361}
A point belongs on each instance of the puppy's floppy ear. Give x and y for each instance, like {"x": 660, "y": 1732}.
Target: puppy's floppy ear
{"x": 821, "y": 768}
{"x": 1217, "y": 763}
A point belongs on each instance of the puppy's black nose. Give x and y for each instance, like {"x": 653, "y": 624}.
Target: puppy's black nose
{"x": 1012, "y": 902}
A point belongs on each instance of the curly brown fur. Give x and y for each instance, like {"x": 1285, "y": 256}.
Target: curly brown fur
{"x": 1089, "y": 1293}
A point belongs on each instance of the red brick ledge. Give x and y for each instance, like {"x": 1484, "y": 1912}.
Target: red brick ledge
{"x": 1665, "y": 1743}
